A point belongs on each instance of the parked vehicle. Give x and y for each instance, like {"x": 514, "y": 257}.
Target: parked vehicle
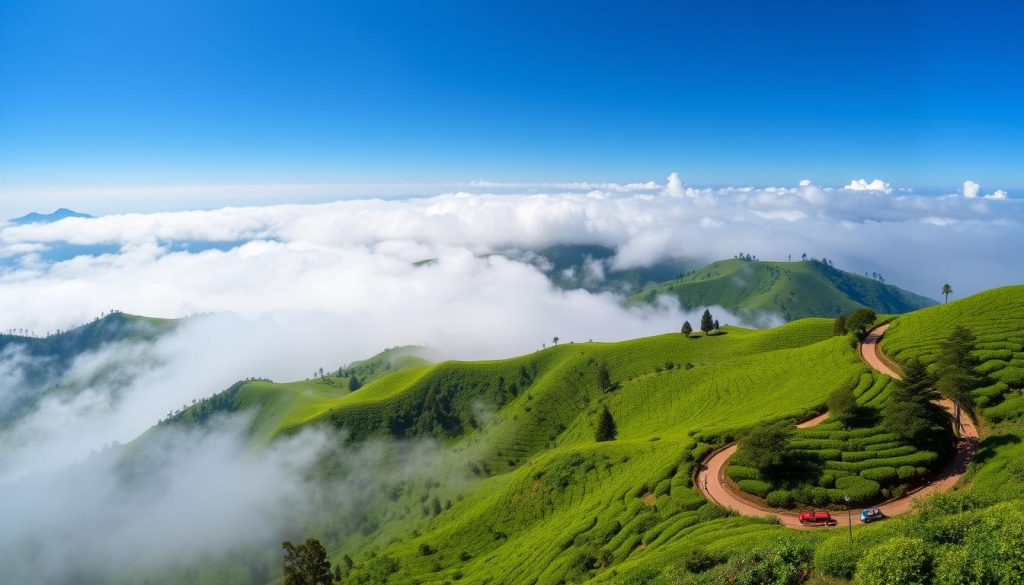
{"x": 816, "y": 519}
{"x": 870, "y": 515}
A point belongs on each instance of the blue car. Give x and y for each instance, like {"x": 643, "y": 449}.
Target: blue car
{"x": 870, "y": 515}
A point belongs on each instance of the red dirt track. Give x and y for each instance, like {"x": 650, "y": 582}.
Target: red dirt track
{"x": 713, "y": 483}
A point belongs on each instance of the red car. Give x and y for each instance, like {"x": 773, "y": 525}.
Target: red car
{"x": 816, "y": 519}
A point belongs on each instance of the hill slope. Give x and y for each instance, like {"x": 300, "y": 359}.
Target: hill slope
{"x": 793, "y": 290}
{"x": 518, "y": 491}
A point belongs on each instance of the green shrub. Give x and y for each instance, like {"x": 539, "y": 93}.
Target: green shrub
{"x": 779, "y": 499}
{"x": 739, "y": 472}
{"x": 858, "y": 488}
{"x": 905, "y": 472}
{"x": 898, "y": 560}
{"x": 837, "y": 556}
{"x": 755, "y": 486}
{"x": 883, "y": 475}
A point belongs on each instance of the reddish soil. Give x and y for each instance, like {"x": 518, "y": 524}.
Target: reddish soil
{"x": 716, "y": 486}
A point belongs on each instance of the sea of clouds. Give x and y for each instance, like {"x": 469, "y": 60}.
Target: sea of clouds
{"x": 291, "y": 288}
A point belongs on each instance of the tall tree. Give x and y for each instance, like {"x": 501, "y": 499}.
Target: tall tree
{"x": 842, "y": 405}
{"x": 956, "y": 371}
{"x": 839, "y": 326}
{"x": 306, "y": 563}
{"x": 354, "y": 383}
{"x": 946, "y": 291}
{"x": 909, "y": 412}
{"x": 606, "y": 429}
{"x": 860, "y": 321}
{"x": 687, "y": 328}
{"x": 716, "y": 325}
{"x": 707, "y": 322}
{"x": 604, "y": 378}
{"x": 766, "y": 446}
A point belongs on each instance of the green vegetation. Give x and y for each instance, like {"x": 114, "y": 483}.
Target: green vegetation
{"x": 522, "y": 493}
{"x": 793, "y": 290}
{"x": 306, "y": 563}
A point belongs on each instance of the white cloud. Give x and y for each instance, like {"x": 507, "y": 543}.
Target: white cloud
{"x": 875, "y": 185}
{"x": 998, "y": 194}
{"x": 971, "y": 189}
{"x": 643, "y": 249}
{"x": 674, "y": 186}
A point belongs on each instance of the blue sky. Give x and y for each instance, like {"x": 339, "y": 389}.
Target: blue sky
{"x": 921, "y": 94}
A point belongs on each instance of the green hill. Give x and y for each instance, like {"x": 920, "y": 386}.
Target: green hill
{"x": 757, "y": 290}
{"x": 519, "y": 491}
{"x": 46, "y": 359}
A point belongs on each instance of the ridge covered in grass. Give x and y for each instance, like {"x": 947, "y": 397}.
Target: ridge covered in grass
{"x": 757, "y": 289}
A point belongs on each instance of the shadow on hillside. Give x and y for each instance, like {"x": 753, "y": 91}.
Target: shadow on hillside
{"x": 988, "y": 447}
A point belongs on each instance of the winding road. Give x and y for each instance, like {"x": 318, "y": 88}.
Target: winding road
{"x": 713, "y": 483}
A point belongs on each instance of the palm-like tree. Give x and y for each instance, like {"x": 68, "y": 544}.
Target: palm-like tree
{"x": 946, "y": 291}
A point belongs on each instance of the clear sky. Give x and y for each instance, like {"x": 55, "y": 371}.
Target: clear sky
{"x": 923, "y": 94}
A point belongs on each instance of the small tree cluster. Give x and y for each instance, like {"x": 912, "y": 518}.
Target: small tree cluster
{"x": 956, "y": 371}
{"x": 606, "y": 429}
{"x": 306, "y": 563}
{"x": 860, "y": 322}
{"x": 842, "y": 406}
{"x": 765, "y": 446}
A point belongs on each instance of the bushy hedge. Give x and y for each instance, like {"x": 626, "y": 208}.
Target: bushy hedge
{"x": 898, "y": 560}
{"x": 779, "y": 499}
{"x": 906, "y": 472}
{"x": 858, "y": 488}
{"x": 755, "y": 486}
{"x": 880, "y": 454}
{"x": 883, "y": 475}
{"x": 740, "y": 472}
{"x": 921, "y": 458}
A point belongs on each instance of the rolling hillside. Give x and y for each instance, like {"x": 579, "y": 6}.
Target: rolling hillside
{"x": 759, "y": 290}
{"x": 516, "y": 490}
{"x": 38, "y": 363}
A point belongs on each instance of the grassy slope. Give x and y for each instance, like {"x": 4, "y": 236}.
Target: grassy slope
{"x": 997, "y": 318}
{"x": 989, "y": 505}
{"x": 546, "y": 497}
{"x": 791, "y": 289}
{"x": 544, "y": 503}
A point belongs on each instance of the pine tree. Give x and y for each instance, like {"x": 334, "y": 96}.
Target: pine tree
{"x": 606, "y": 430}
{"x": 354, "y": 383}
{"x": 716, "y": 325}
{"x": 707, "y": 322}
{"x": 306, "y": 564}
{"x": 839, "y": 326}
{"x": 604, "y": 378}
{"x": 956, "y": 371}
{"x": 687, "y": 328}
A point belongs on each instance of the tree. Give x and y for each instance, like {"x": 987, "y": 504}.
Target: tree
{"x": 354, "y": 383}
{"x": 803, "y": 256}
{"x": 687, "y": 328}
{"x": 716, "y": 325}
{"x": 554, "y": 340}
{"x": 839, "y": 326}
{"x": 946, "y": 291}
{"x": 909, "y": 412}
{"x": 707, "y": 322}
{"x": 956, "y": 371}
{"x": 604, "y": 378}
{"x": 606, "y": 430}
{"x": 306, "y": 564}
{"x": 765, "y": 446}
{"x": 860, "y": 321}
{"x": 842, "y": 405}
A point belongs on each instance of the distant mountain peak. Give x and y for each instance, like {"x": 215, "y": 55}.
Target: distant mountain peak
{"x": 62, "y": 213}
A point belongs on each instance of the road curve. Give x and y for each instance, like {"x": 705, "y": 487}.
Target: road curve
{"x": 713, "y": 483}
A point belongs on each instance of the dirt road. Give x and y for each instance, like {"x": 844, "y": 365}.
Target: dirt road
{"x": 713, "y": 483}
